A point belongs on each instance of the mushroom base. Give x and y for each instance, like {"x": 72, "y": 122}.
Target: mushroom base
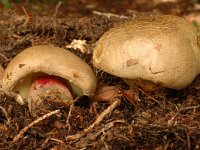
{"x": 47, "y": 87}
{"x": 23, "y": 86}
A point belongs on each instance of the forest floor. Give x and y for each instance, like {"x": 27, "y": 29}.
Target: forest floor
{"x": 159, "y": 119}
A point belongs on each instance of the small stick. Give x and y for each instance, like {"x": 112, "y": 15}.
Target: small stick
{"x": 57, "y": 7}
{"x": 57, "y": 140}
{"x": 188, "y": 141}
{"x": 4, "y": 57}
{"x": 105, "y": 128}
{"x": 172, "y": 120}
{"x": 109, "y": 15}
{"x": 97, "y": 121}
{"x": 5, "y": 113}
{"x": 166, "y": 145}
{"x": 191, "y": 107}
{"x": 21, "y": 133}
{"x": 151, "y": 97}
{"x": 69, "y": 115}
{"x": 104, "y": 113}
{"x": 92, "y": 136}
{"x": 27, "y": 15}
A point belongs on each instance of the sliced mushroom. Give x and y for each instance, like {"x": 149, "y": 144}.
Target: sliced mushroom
{"x": 50, "y": 67}
{"x": 162, "y": 49}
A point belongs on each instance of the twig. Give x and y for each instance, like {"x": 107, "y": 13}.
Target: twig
{"x": 109, "y": 15}
{"x": 188, "y": 141}
{"x": 27, "y": 16}
{"x": 191, "y": 107}
{"x": 104, "y": 113}
{"x": 57, "y": 7}
{"x": 166, "y": 145}
{"x": 172, "y": 120}
{"x": 96, "y": 134}
{"x": 151, "y": 97}
{"x": 54, "y": 15}
{"x": 97, "y": 121}
{"x": 4, "y": 57}
{"x": 57, "y": 140}
{"x": 105, "y": 128}
{"x": 5, "y": 113}
{"x": 69, "y": 115}
{"x": 25, "y": 129}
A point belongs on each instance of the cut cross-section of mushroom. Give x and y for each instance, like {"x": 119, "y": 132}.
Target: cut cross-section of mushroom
{"x": 40, "y": 69}
{"x": 162, "y": 49}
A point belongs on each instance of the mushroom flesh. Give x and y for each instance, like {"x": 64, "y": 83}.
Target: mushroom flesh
{"x": 39, "y": 70}
{"x": 161, "y": 49}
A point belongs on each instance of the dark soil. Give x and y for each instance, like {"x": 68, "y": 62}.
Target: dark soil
{"x": 159, "y": 119}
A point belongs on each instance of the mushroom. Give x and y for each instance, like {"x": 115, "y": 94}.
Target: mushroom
{"x": 164, "y": 50}
{"x": 1, "y": 75}
{"x": 39, "y": 70}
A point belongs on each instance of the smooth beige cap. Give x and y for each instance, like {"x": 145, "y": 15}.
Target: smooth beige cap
{"x": 50, "y": 60}
{"x": 162, "y": 49}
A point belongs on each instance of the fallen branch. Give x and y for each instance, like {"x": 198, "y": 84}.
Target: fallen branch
{"x": 27, "y": 20}
{"x": 25, "y": 129}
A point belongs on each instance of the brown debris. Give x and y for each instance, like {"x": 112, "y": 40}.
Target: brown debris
{"x": 140, "y": 121}
{"x": 96, "y": 122}
{"x": 21, "y": 133}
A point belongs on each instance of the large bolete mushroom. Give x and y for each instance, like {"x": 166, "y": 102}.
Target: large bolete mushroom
{"x": 41, "y": 70}
{"x": 161, "y": 49}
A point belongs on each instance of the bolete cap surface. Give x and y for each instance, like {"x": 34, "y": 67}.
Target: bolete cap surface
{"x": 161, "y": 49}
{"x": 52, "y": 61}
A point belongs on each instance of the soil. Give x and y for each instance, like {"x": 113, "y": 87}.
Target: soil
{"x": 144, "y": 119}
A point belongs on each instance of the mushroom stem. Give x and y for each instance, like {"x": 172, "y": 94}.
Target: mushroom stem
{"x": 47, "y": 87}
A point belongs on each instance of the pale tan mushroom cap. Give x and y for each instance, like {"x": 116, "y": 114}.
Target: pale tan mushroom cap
{"x": 161, "y": 49}
{"x": 50, "y": 60}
